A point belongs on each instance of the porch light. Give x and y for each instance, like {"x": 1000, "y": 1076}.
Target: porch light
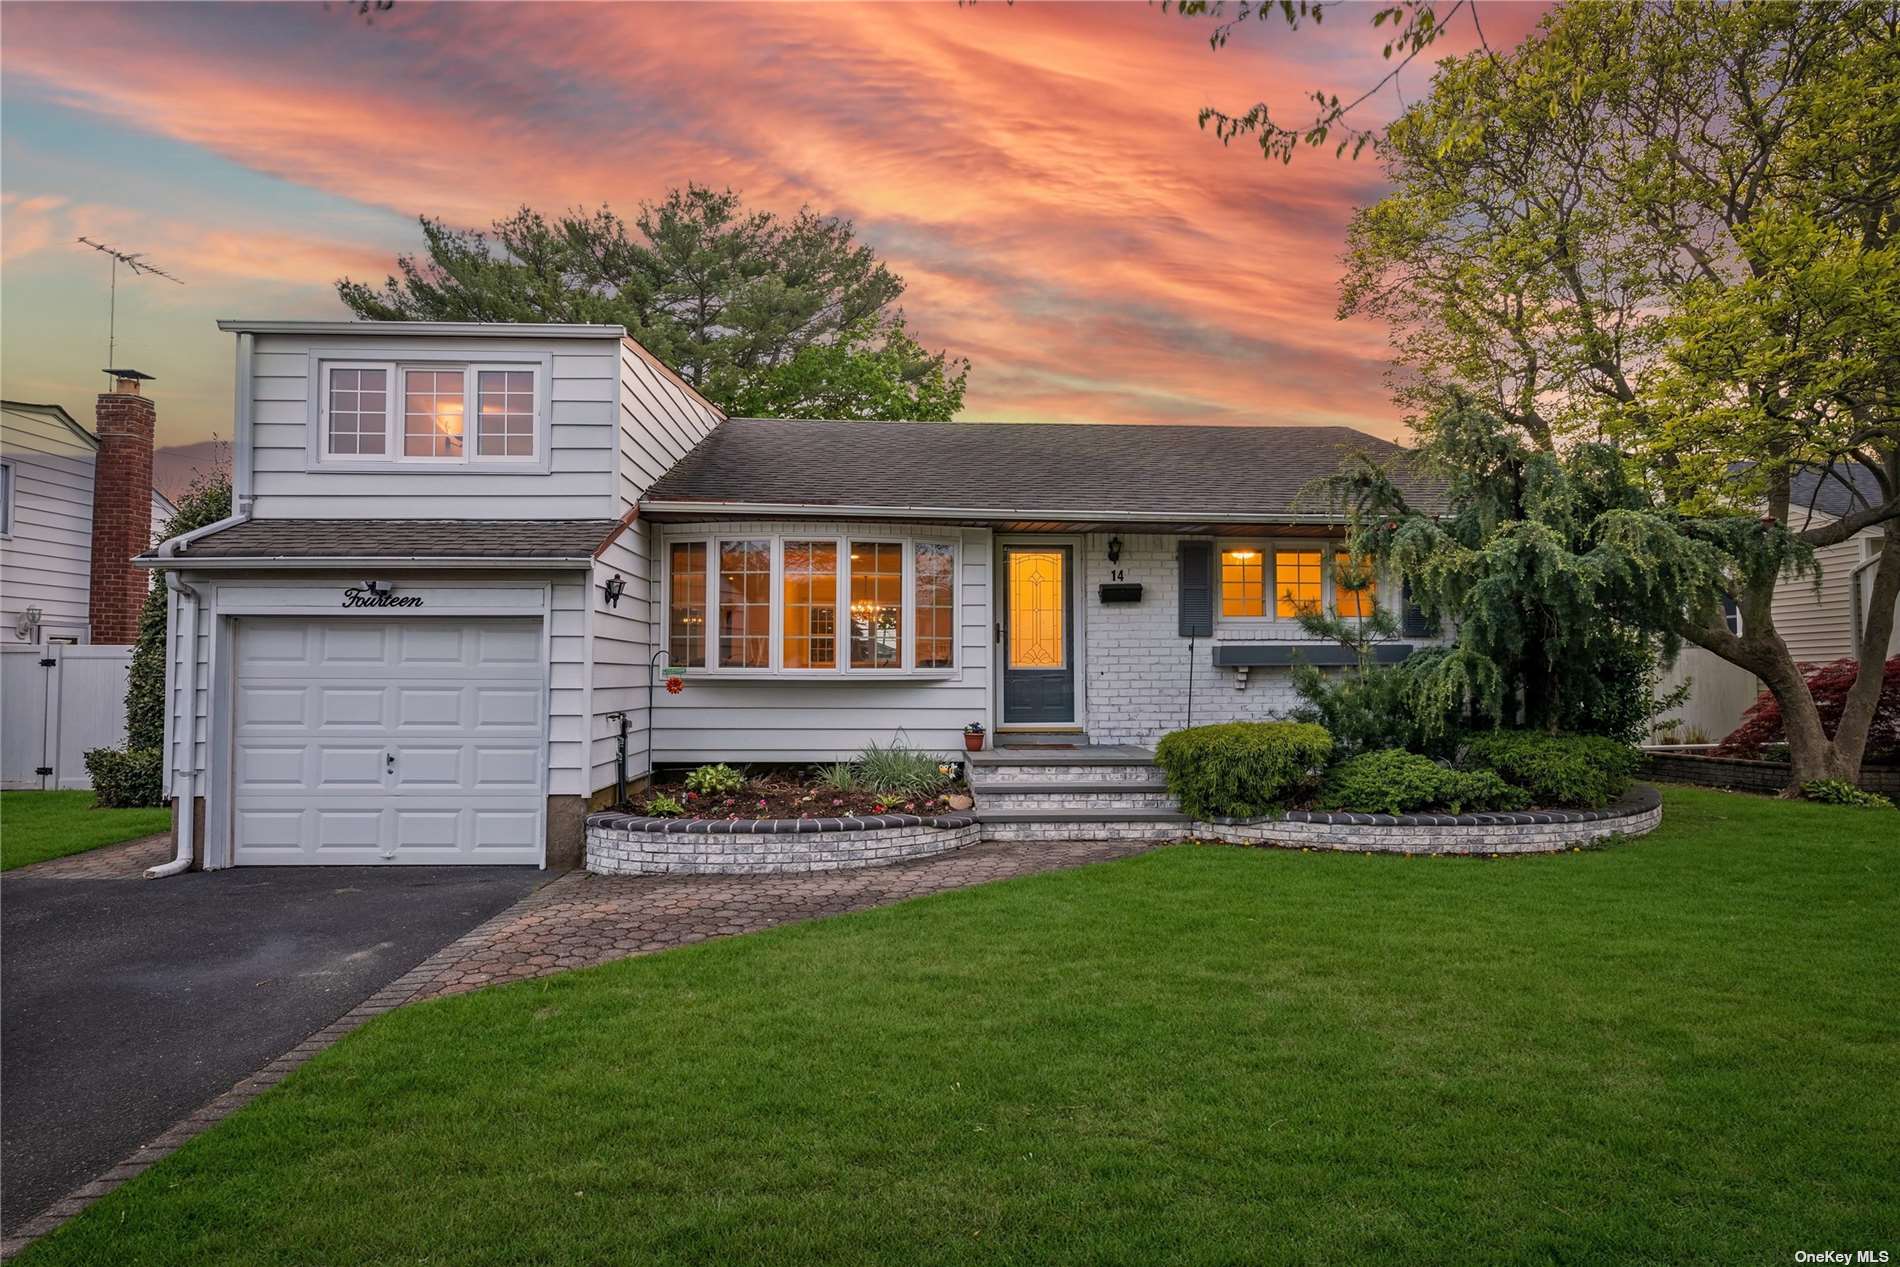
{"x": 613, "y": 589}
{"x": 1114, "y": 549}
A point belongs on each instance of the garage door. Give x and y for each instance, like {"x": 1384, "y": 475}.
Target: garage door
{"x": 401, "y": 741}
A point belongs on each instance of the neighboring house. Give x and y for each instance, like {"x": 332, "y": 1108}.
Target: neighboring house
{"x": 64, "y": 493}
{"x": 459, "y": 551}
{"x": 1820, "y": 618}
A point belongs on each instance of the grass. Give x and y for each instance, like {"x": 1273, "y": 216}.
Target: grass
{"x": 1679, "y": 1050}
{"x": 35, "y": 826}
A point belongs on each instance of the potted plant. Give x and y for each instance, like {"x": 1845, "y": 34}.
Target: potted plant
{"x": 973, "y": 737}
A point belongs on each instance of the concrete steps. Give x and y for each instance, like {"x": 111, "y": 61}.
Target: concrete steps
{"x": 1073, "y": 793}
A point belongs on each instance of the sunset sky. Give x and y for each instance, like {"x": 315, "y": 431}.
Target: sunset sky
{"x": 1034, "y": 172}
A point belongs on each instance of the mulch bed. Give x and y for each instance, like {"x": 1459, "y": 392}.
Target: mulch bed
{"x": 775, "y": 798}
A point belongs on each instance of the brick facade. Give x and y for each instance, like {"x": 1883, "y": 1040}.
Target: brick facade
{"x": 1137, "y": 663}
{"x": 121, "y": 515}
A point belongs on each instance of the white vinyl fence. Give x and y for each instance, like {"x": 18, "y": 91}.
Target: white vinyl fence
{"x": 57, "y": 703}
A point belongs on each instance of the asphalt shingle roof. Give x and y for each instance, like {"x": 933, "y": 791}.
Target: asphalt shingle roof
{"x": 1846, "y": 488}
{"x": 404, "y": 539}
{"x": 1020, "y": 468}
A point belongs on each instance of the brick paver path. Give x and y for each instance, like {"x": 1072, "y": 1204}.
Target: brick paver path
{"x": 580, "y": 920}
{"x": 583, "y": 919}
{"x": 126, "y": 861}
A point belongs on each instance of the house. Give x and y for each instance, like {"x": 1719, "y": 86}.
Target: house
{"x": 1821, "y": 618}
{"x": 75, "y": 506}
{"x": 462, "y": 555}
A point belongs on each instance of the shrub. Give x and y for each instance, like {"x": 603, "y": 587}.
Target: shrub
{"x": 124, "y": 778}
{"x": 712, "y": 780}
{"x": 1829, "y": 684}
{"x": 207, "y": 501}
{"x": 899, "y": 771}
{"x": 664, "y": 806}
{"x": 1242, "y": 769}
{"x": 1392, "y": 781}
{"x": 1585, "y": 771}
{"x": 837, "y": 777}
{"x": 1841, "y": 792}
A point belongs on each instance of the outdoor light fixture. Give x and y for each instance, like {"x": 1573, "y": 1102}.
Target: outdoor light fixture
{"x": 613, "y": 589}
{"x": 1114, "y": 549}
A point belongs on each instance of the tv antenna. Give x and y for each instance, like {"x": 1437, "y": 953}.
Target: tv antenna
{"x": 140, "y": 266}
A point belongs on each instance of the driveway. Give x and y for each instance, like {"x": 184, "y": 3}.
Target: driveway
{"x": 127, "y": 1004}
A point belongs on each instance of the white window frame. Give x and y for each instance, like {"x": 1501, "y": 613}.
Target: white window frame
{"x": 396, "y": 363}
{"x": 713, "y": 535}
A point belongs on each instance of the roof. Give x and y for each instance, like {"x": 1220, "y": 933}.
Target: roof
{"x": 1023, "y": 471}
{"x": 397, "y": 540}
{"x": 461, "y": 329}
{"x": 1844, "y": 489}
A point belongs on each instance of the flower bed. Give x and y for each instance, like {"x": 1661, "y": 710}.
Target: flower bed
{"x": 1636, "y": 813}
{"x": 637, "y": 844}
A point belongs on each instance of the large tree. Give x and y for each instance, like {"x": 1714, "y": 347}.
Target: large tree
{"x": 790, "y": 317}
{"x": 1671, "y": 227}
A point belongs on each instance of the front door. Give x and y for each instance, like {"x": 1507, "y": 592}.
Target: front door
{"x": 1038, "y": 636}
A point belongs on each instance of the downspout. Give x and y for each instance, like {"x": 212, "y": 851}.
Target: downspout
{"x": 186, "y": 732}
{"x": 1854, "y": 596}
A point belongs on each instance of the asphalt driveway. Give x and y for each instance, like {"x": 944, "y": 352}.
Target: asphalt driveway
{"x": 126, "y": 1004}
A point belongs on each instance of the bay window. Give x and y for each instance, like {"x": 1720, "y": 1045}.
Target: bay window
{"x": 745, "y": 604}
{"x": 806, "y": 605}
{"x": 811, "y": 605}
{"x": 686, "y": 614}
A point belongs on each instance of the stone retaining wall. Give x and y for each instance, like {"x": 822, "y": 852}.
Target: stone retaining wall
{"x": 1745, "y": 775}
{"x": 631, "y": 844}
{"x": 1538, "y": 831}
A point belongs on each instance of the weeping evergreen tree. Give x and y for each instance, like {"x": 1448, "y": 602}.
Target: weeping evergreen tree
{"x": 1560, "y": 579}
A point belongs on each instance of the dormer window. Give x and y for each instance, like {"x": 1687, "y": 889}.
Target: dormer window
{"x": 422, "y": 414}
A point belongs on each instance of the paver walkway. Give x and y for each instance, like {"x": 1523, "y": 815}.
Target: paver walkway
{"x": 124, "y": 861}
{"x": 580, "y": 920}
{"x": 583, "y": 919}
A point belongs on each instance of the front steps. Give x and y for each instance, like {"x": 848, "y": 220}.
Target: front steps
{"x": 1073, "y": 793}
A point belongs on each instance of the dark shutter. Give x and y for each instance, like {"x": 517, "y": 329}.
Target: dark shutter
{"x": 1197, "y": 589}
{"x": 1413, "y": 622}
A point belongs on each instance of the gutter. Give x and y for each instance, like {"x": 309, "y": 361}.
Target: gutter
{"x": 298, "y": 562}
{"x": 809, "y": 510}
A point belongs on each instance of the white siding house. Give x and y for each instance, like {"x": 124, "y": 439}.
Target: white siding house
{"x": 464, "y": 559}
{"x": 48, "y": 466}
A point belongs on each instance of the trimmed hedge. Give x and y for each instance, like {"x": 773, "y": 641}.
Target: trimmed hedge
{"x": 123, "y": 779}
{"x": 1577, "y": 771}
{"x": 1392, "y": 781}
{"x": 1242, "y": 769}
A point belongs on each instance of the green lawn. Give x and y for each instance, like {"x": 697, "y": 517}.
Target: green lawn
{"x": 1679, "y": 1050}
{"x": 35, "y": 826}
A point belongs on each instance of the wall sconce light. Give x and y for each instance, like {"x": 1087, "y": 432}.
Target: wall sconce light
{"x": 613, "y": 589}
{"x": 1114, "y": 549}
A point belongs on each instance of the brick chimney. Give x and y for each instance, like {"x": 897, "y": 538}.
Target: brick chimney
{"x": 121, "y": 507}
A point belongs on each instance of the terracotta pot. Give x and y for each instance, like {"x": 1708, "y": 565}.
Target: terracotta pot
{"x": 972, "y": 743}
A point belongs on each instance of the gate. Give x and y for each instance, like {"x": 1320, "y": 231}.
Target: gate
{"x": 57, "y": 703}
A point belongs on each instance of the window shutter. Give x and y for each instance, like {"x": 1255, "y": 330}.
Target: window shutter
{"x": 1413, "y": 622}
{"x": 1197, "y": 589}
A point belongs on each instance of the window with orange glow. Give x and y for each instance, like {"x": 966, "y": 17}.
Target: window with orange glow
{"x": 811, "y": 605}
{"x": 745, "y": 604}
{"x": 1296, "y": 582}
{"x": 1355, "y": 591}
{"x": 1038, "y": 610}
{"x": 432, "y": 408}
{"x": 686, "y": 609}
{"x": 877, "y": 605}
{"x": 1243, "y": 581}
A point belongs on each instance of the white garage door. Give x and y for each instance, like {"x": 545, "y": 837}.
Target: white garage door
{"x": 389, "y": 741}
